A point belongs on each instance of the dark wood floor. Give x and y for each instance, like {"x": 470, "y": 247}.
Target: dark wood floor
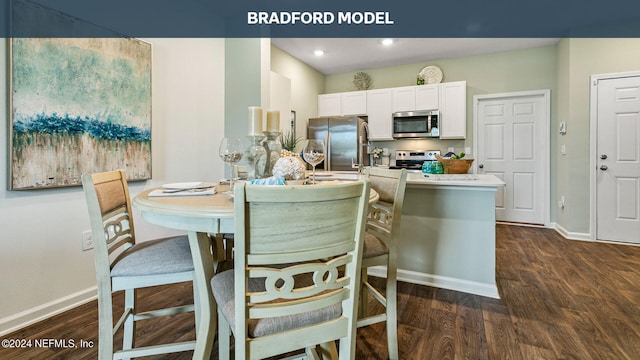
{"x": 560, "y": 299}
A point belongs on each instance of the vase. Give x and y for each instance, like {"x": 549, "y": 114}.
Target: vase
{"x": 272, "y": 148}
{"x": 255, "y": 155}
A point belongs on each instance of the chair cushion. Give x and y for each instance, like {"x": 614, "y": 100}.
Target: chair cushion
{"x": 373, "y": 246}
{"x": 162, "y": 256}
{"x": 222, "y": 286}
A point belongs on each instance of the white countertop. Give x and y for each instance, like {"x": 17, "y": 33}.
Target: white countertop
{"x": 483, "y": 181}
{"x": 418, "y": 180}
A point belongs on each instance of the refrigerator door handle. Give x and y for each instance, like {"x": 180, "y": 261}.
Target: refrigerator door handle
{"x": 327, "y": 150}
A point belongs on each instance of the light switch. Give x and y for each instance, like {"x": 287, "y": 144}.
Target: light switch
{"x": 563, "y": 149}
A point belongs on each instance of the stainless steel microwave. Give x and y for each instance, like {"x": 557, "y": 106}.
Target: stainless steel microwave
{"x": 416, "y": 124}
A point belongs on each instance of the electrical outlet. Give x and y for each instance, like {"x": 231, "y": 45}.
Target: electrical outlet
{"x": 87, "y": 240}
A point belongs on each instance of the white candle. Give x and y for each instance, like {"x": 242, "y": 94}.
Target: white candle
{"x": 255, "y": 120}
{"x": 273, "y": 120}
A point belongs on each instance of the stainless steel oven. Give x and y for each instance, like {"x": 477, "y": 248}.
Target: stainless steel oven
{"x": 413, "y": 159}
{"x": 416, "y": 124}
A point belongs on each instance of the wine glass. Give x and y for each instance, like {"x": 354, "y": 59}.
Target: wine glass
{"x": 314, "y": 154}
{"x": 231, "y": 152}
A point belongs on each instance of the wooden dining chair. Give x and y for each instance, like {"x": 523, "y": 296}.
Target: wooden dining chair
{"x": 381, "y": 249}
{"x": 286, "y": 291}
{"x": 123, "y": 264}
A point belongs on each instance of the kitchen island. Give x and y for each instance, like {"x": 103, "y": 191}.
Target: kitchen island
{"x": 448, "y": 233}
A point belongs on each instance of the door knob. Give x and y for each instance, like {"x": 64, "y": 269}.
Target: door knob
{"x": 603, "y": 156}
{"x": 481, "y": 166}
{"x": 603, "y": 167}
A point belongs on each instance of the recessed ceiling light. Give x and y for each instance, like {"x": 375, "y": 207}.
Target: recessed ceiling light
{"x": 318, "y": 53}
{"x": 387, "y": 42}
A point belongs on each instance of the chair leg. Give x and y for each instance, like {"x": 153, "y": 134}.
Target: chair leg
{"x": 129, "y": 323}
{"x": 196, "y": 304}
{"x": 105, "y": 324}
{"x": 392, "y": 314}
{"x": 328, "y": 351}
{"x": 311, "y": 354}
{"x": 224, "y": 338}
{"x": 363, "y": 309}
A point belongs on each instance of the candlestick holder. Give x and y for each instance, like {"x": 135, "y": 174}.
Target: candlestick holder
{"x": 255, "y": 155}
{"x": 272, "y": 147}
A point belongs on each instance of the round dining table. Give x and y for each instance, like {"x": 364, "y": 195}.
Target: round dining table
{"x": 201, "y": 216}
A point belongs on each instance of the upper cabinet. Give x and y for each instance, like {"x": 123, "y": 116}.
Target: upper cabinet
{"x": 379, "y": 110}
{"x": 345, "y": 103}
{"x": 419, "y": 97}
{"x": 378, "y": 105}
{"x": 453, "y": 110}
{"x": 329, "y": 104}
{"x": 427, "y": 97}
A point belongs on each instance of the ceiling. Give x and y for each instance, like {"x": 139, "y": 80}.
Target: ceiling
{"x": 345, "y": 55}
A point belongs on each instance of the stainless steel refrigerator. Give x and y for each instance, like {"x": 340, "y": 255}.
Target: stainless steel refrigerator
{"x": 346, "y": 140}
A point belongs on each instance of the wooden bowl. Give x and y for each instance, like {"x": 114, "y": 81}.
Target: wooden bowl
{"x": 455, "y": 166}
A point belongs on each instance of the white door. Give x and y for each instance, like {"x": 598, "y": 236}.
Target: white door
{"x": 618, "y": 159}
{"x": 511, "y": 143}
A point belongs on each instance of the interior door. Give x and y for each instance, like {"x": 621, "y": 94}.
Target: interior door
{"x": 618, "y": 159}
{"x": 511, "y": 143}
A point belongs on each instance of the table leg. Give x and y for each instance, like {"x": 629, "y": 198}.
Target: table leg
{"x": 206, "y": 320}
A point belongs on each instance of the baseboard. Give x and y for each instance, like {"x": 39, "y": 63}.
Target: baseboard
{"x": 414, "y": 277}
{"x": 572, "y": 235}
{"x": 41, "y": 312}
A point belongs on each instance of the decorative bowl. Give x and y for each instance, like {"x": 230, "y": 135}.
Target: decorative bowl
{"x": 455, "y": 166}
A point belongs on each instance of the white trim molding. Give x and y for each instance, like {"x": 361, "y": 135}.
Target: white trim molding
{"x": 31, "y": 316}
{"x": 572, "y": 235}
{"x": 466, "y": 286}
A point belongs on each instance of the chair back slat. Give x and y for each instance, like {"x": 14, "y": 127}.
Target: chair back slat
{"x": 321, "y": 223}
{"x": 281, "y": 283}
{"x": 262, "y": 311}
{"x": 109, "y": 206}
{"x": 279, "y": 258}
{"x": 385, "y": 215}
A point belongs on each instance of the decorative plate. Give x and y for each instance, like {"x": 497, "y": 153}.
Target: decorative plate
{"x": 431, "y": 74}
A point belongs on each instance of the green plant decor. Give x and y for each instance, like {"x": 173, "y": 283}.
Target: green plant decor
{"x": 289, "y": 140}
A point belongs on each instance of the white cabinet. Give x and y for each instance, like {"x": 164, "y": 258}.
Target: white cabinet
{"x": 404, "y": 98}
{"x": 419, "y": 97}
{"x": 427, "y": 97}
{"x": 329, "y": 104}
{"x": 453, "y": 110}
{"x": 379, "y": 109}
{"x": 449, "y": 98}
{"x": 354, "y": 103}
{"x": 345, "y": 103}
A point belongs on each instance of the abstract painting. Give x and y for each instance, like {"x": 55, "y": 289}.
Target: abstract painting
{"x": 78, "y": 106}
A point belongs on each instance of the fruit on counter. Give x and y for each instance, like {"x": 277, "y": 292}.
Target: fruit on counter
{"x": 452, "y": 155}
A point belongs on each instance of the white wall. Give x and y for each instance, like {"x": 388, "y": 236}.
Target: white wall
{"x": 42, "y": 266}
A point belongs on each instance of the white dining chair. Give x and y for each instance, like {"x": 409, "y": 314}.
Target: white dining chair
{"x": 123, "y": 264}
{"x": 381, "y": 249}
{"x": 286, "y": 291}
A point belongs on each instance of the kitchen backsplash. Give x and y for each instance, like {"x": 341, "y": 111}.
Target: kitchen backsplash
{"x": 422, "y": 144}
